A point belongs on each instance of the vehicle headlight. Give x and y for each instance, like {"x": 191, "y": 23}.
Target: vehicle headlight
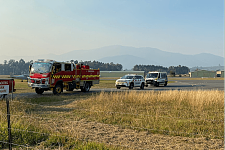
{"x": 46, "y": 81}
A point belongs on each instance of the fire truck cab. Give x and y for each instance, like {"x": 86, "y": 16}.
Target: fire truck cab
{"x": 56, "y": 76}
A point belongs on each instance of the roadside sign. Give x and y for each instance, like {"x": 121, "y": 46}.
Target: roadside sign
{"x": 6, "y": 86}
{"x": 4, "y": 89}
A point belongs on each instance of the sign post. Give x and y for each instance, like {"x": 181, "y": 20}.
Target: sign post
{"x": 9, "y": 126}
{"x": 6, "y": 87}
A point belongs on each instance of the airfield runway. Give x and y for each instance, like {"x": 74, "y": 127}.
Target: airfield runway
{"x": 181, "y": 85}
{"x": 177, "y": 85}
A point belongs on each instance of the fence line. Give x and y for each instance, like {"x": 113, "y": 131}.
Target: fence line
{"x": 129, "y": 126}
{"x": 84, "y": 140}
{"x": 135, "y": 114}
{"x": 132, "y": 127}
{"x": 15, "y": 144}
{"x": 222, "y": 110}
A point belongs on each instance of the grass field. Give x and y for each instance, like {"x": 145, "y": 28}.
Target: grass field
{"x": 191, "y": 114}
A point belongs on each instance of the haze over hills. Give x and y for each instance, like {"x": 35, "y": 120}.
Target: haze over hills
{"x": 130, "y": 56}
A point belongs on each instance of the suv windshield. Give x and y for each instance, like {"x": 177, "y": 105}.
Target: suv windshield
{"x": 127, "y": 77}
{"x": 152, "y": 75}
{"x": 40, "y": 67}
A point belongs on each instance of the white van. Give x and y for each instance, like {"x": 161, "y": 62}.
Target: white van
{"x": 156, "y": 79}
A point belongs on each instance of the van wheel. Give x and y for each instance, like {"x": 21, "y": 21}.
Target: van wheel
{"x": 57, "y": 89}
{"x": 39, "y": 91}
{"x": 118, "y": 87}
{"x": 165, "y": 83}
{"x": 156, "y": 84}
{"x": 142, "y": 86}
{"x": 131, "y": 86}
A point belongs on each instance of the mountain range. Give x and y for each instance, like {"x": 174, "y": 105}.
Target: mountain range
{"x": 130, "y": 56}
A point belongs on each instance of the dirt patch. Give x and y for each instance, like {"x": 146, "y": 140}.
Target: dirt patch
{"x": 132, "y": 139}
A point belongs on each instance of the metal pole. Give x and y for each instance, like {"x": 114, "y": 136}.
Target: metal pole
{"x": 12, "y": 89}
{"x": 8, "y": 118}
{"x": 9, "y": 127}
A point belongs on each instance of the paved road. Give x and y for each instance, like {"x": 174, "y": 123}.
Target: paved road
{"x": 178, "y": 85}
{"x": 197, "y": 84}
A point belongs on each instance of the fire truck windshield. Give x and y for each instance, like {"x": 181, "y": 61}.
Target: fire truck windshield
{"x": 40, "y": 67}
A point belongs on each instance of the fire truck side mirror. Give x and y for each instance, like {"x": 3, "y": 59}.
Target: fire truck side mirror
{"x": 30, "y": 67}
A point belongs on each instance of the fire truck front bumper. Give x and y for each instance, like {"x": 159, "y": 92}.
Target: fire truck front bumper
{"x": 38, "y": 83}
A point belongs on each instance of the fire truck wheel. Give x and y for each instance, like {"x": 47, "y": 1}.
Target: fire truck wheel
{"x": 39, "y": 91}
{"x": 86, "y": 87}
{"x": 57, "y": 89}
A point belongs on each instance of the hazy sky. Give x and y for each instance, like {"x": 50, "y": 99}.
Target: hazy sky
{"x": 30, "y": 27}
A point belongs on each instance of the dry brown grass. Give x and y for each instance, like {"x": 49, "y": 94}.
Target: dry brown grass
{"x": 185, "y": 113}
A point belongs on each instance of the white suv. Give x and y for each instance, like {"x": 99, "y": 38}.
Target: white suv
{"x": 156, "y": 78}
{"x": 130, "y": 81}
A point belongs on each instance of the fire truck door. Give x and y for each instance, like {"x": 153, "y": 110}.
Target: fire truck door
{"x": 56, "y": 68}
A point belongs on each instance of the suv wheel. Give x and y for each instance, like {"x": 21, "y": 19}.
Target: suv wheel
{"x": 142, "y": 86}
{"x": 118, "y": 87}
{"x": 131, "y": 86}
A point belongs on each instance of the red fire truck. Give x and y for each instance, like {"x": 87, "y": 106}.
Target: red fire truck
{"x": 56, "y": 76}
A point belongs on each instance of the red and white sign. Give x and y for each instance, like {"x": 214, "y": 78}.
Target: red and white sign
{"x": 4, "y": 89}
{"x": 5, "y": 86}
{"x": 4, "y": 82}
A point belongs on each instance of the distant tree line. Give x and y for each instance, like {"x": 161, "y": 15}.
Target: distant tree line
{"x": 22, "y": 67}
{"x": 15, "y": 67}
{"x": 171, "y": 70}
{"x": 103, "y": 66}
